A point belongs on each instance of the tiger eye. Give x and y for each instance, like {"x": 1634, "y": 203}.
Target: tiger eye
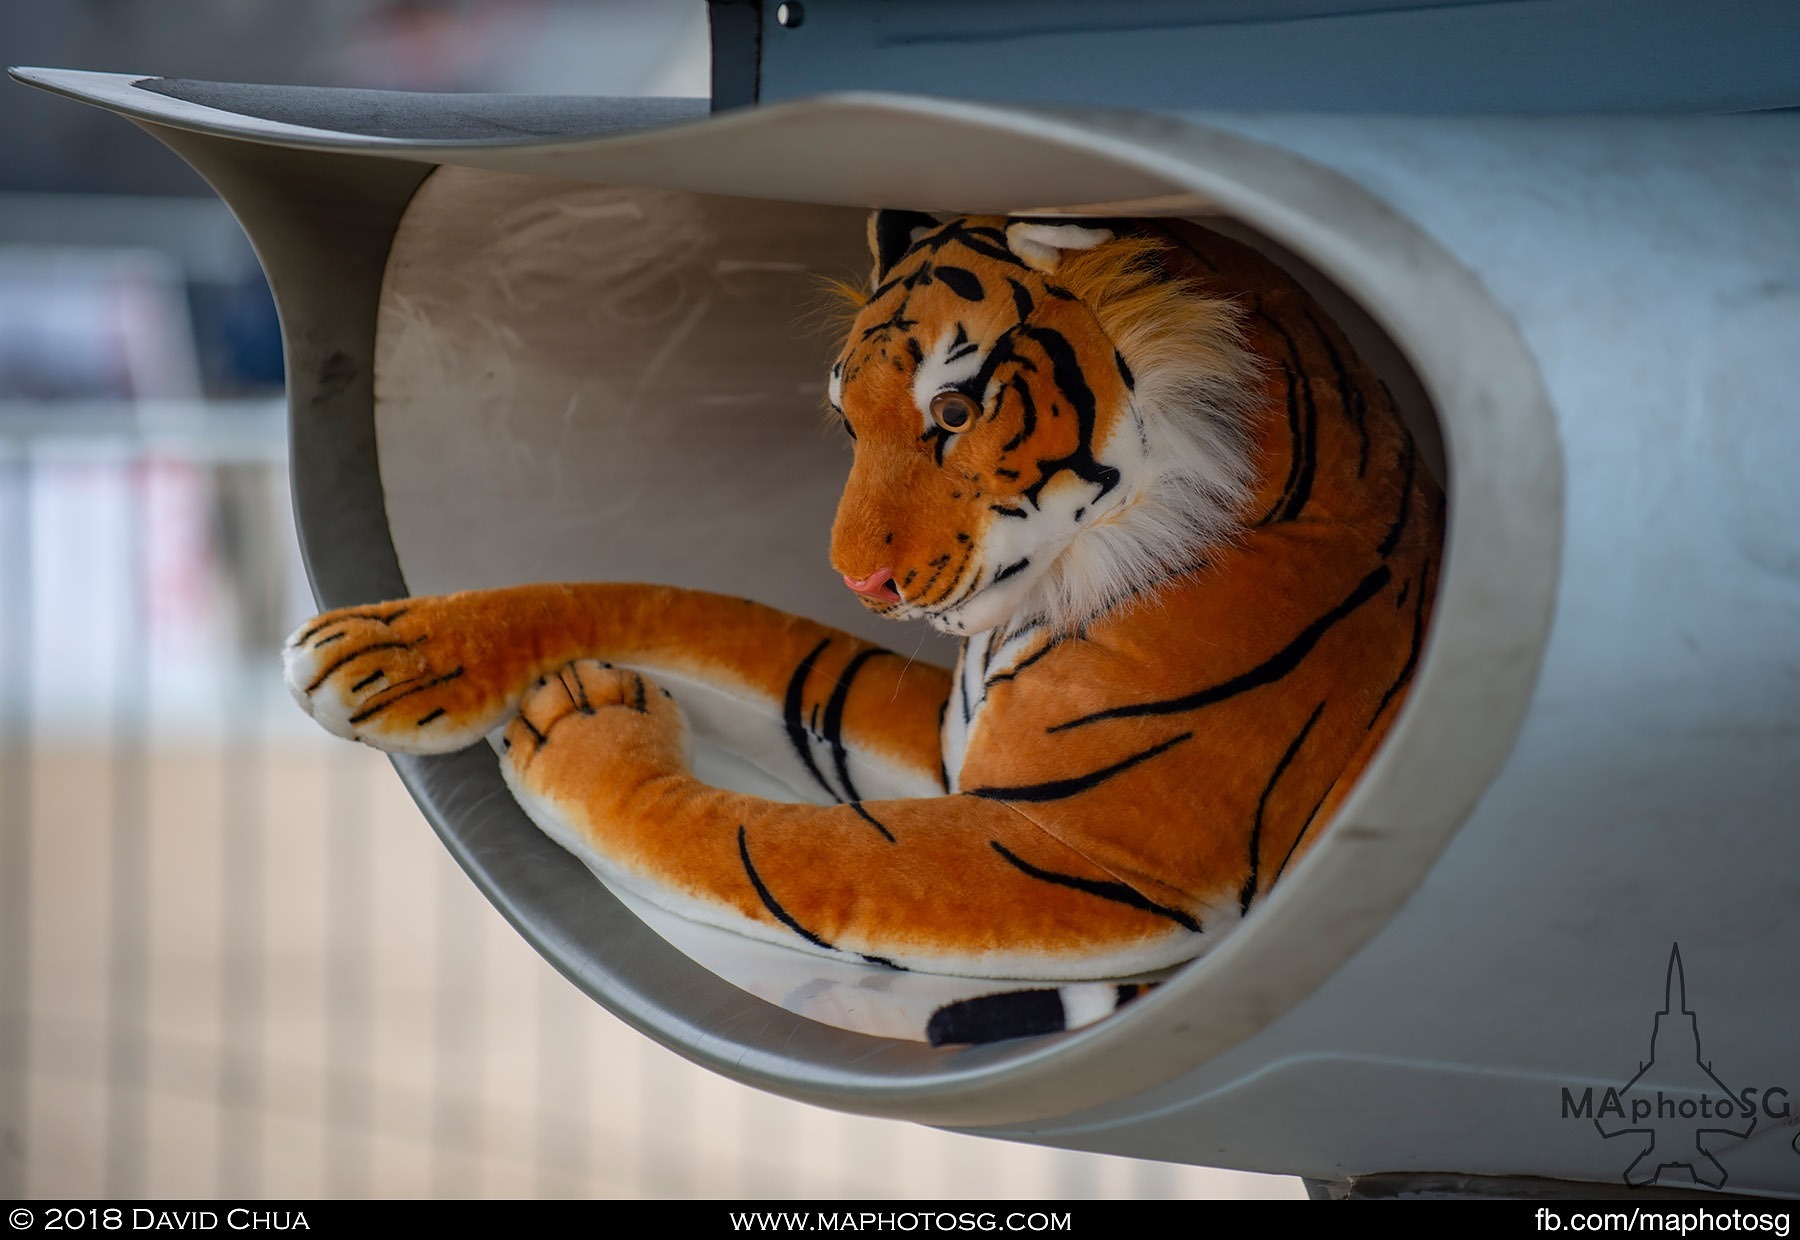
{"x": 953, "y": 411}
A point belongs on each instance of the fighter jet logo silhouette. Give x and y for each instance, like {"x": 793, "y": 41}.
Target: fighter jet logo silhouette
{"x": 1690, "y": 1105}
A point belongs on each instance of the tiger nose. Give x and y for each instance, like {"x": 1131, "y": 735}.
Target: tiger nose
{"x": 878, "y": 584}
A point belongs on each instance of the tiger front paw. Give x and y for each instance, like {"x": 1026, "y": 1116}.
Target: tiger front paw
{"x": 397, "y": 676}
{"x": 590, "y": 730}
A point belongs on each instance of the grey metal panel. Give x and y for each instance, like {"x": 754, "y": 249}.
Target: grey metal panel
{"x": 1515, "y": 56}
{"x": 430, "y": 116}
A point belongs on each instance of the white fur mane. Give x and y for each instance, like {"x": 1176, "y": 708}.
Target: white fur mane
{"x": 1187, "y": 491}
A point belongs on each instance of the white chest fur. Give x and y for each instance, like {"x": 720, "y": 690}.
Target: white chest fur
{"x": 986, "y": 659}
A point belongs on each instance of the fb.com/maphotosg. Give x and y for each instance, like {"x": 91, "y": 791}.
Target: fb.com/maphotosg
{"x": 1673, "y": 1222}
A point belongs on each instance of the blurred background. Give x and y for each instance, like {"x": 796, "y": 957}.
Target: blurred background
{"x": 234, "y": 961}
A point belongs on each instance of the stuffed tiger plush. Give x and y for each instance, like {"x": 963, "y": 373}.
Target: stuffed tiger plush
{"x": 1185, "y": 538}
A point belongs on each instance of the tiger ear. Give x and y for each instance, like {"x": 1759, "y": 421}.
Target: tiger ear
{"x": 891, "y": 235}
{"x": 1041, "y": 245}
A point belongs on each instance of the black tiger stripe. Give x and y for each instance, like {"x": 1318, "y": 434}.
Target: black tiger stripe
{"x": 1350, "y": 396}
{"x": 987, "y": 242}
{"x": 896, "y": 322}
{"x": 1303, "y": 425}
{"x": 529, "y": 727}
{"x": 961, "y": 281}
{"x": 957, "y": 576}
{"x": 1075, "y": 785}
{"x": 1118, "y": 893}
{"x": 882, "y": 290}
{"x": 387, "y": 618}
{"x": 1412, "y": 654}
{"x": 924, "y": 597}
{"x": 428, "y": 717}
{"x": 1304, "y": 828}
{"x": 368, "y": 680}
{"x": 1392, "y": 539}
{"x": 962, "y": 689}
{"x": 1002, "y": 352}
{"x": 1293, "y": 421}
{"x": 976, "y": 239}
{"x": 580, "y": 694}
{"x": 792, "y": 712}
{"x": 964, "y": 586}
{"x": 943, "y": 770}
{"x": 1026, "y": 662}
{"x": 1028, "y": 416}
{"x": 332, "y": 668}
{"x": 1066, "y": 372}
{"x": 869, "y": 818}
{"x": 1022, "y": 302}
{"x": 1031, "y": 624}
{"x": 938, "y": 438}
{"x": 937, "y": 570}
{"x": 433, "y": 683}
{"x": 1267, "y": 672}
{"x": 1010, "y": 570}
{"x": 834, "y": 722}
{"x": 768, "y": 899}
{"x": 1248, "y": 893}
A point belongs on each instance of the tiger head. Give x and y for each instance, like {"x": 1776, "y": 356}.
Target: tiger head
{"x": 1047, "y": 418}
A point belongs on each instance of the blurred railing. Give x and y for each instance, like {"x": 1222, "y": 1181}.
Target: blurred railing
{"x": 234, "y": 960}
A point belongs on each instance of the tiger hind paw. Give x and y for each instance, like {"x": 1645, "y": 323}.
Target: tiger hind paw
{"x": 589, "y": 719}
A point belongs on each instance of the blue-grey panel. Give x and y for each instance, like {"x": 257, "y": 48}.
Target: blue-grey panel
{"x": 1385, "y": 56}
